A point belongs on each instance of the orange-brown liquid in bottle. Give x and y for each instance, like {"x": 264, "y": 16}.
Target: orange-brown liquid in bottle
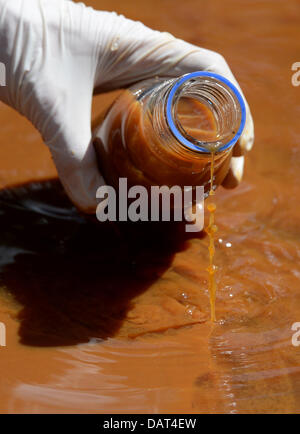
{"x": 126, "y": 147}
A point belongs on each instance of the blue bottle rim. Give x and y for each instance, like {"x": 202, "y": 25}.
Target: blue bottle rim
{"x": 177, "y": 133}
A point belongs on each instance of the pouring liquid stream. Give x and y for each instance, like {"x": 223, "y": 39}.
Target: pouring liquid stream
{"x": 199, "y": 122}
{"x": 211, "y": 231}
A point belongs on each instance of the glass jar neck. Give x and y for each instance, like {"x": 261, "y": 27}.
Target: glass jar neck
{"x": 216, "y": 94}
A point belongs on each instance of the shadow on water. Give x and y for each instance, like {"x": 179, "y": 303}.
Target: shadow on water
{"x": 74, "y": 278}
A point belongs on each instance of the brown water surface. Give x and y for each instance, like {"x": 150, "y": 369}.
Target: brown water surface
{"x": 102, "y": 318}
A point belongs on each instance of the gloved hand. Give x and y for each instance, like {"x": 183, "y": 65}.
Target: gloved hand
{"x": 58, "y": 52}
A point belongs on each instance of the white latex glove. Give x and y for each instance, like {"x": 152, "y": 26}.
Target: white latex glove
{"x": 57, "y": 52}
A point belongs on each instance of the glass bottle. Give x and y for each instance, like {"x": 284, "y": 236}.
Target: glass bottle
{"x": 162, "y": 131}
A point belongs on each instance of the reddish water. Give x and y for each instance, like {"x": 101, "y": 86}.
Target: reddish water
{"x": 101, "y": 319}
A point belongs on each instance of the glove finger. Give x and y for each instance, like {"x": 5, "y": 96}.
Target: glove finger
{"x": 235, "y": 173}
{"x": 246, "y": 140}
{"x": 79, "y": 174}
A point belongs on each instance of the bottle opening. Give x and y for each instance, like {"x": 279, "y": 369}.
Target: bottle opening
{"x": 205, "y": 112}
